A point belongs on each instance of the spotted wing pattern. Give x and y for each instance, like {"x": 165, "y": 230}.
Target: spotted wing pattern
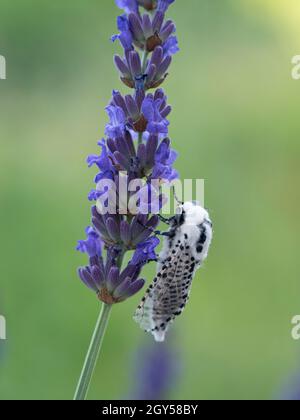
{"x": 169, "y": 292}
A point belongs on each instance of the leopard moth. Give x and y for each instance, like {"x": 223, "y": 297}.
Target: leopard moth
{"x": 186, "y": 246}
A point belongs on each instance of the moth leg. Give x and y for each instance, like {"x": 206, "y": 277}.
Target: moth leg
{"x": 156, "y": 232}
{"x": 165, "y": 220}
{"x": 158, "y": 259}
{"x": 154, "y": 259}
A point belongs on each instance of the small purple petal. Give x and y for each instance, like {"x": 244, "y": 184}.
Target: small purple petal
{"x": 122, "y": 160}
{"x": 136, "y": 27}
{"x": 119, "y": 101}
{"x": 92, "y": 245}
{"x": 158, "y": 21}
{"x": 171, "y": 46}
{"x": 113, "y": 229}
{"x": 132, "y": 289}
{"x": 157, "y": 56}
{"x": 87, "y": 279}
{"x": 132, "y": 107}
{"x": 135, "y": 63}
{"x": 98, "y": 276}
{"x": 164, "y": 4}
{"x": 121, "y": 66}
{"x": 161, "y": 72}
{"x": 131, "y": 271}
{"x": 136, "y": 227}
{"x": 167, "y": 31}
{"x": 147, "y": 26}
{"x": 113, "y": 279}
{"x": 146, "y": 251}
{"x": 116, "y": 126}
{"x": 121, "y": 290}
{"x": 125, "y": 232}
{"x": 130, "y": 144}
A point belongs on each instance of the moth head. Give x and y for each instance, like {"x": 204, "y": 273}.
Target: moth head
{"x": 193, "y": 213}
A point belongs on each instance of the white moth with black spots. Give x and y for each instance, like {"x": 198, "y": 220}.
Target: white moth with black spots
{"x": 185, "y": 248}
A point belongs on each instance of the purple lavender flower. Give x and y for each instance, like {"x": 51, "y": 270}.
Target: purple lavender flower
{"x": 154, "y": 74}
{"x": 164, "y": 4}
{"x": 289, "y": 389}
{"x": 145, "y": 251}
{"x": 125, "y": 36}
{"x": 157, "y": 368}
{"x": 171, "y": 46}
{"x": 110, "y": 284}
{"x": 118, "y": 232}
{"x": 117, "y": 123}
{"x": 145, "y": 32}
{"x": 128, "y": 5}
{"x": 92, "y": 245}
{"x": 141, "y": 115}
{"x": 103, "y": 161}
{"x": 156, "y": 123}
{"x": 164, "y": 159}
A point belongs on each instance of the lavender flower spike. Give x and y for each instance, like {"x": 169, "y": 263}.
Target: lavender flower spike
{"x": 156, "y": 369}
{"x": 148, "y": 41}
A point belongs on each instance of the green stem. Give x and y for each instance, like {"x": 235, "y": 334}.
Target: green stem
{"x": 95, "y": 347}
{"x": 140, "y": 138}
{"x": 92, "y": 354}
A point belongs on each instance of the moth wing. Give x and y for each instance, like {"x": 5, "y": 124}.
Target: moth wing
{"x": 168, "y": 294}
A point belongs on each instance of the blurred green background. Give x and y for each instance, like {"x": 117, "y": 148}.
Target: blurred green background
{"x": 235, "y": 123}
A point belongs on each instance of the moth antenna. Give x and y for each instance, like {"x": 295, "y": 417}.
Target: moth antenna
{"x": 175, "y": 196}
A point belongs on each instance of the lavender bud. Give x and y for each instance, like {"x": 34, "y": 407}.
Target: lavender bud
{"x": 135, "y": 63}
{"x": 113, "y": 229}
{"x": 147, "y": 26}
{"x": 121, "y": 66}
{"x": 136, "y": 27}
{"x": 125, "y": 232}
{"x": 157, "y": 21}
{"x": 113, "y": 279}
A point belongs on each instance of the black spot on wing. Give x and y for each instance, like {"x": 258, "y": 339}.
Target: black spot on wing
{"x": 199, "y": 249}
{"x": 202, "y": 239}
{"x": 181, "y": 219}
